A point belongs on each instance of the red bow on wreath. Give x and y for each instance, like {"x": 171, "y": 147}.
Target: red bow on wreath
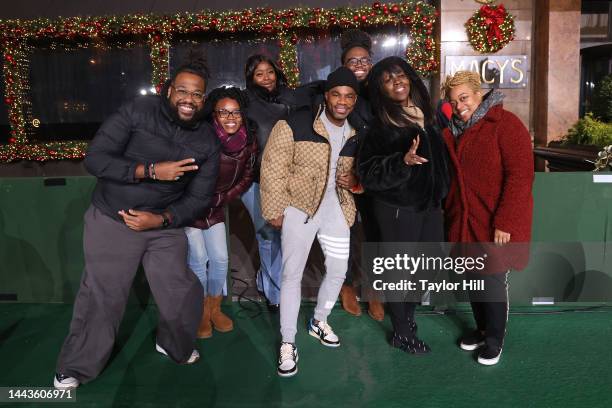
{"x": 493, "y": 17}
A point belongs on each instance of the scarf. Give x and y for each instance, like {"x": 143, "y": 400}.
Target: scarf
{"x": 491, "y": 99}
{"x": 231, "y": 143}
{"x": 415, "y": 114}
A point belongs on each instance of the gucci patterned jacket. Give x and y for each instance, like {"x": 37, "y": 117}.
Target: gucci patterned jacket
{"x": 295, "y": 166}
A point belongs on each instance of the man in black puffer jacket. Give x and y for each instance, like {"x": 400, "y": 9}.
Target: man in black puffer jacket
{"x": 156, "y": 164}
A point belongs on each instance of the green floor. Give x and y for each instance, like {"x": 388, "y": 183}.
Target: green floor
{"x": 550, "y": 360}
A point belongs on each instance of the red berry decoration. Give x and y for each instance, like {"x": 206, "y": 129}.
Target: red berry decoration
{"x": 395, "y": 9}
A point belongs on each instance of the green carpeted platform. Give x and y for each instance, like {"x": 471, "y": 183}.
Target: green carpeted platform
{"x": 550, "y": 360}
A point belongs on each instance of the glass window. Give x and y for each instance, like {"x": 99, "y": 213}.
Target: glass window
{"x": 73, "y": 92}
{"x": 318, "y": 56}
{"x": 226, "y": 57}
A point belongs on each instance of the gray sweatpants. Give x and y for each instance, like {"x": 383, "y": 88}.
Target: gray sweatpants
{"x": 332, "y": 232}
{"x": 112, "y": 255}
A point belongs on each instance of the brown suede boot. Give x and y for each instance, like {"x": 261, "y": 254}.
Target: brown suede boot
{"x": 376, "y": 310}
{"x": 205, "y": 329}
{"x": 349, "y": 300}
{"x": 220, "y": 321}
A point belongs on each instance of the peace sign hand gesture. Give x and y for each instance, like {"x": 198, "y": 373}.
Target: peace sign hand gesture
{"x": 411, "y": 158}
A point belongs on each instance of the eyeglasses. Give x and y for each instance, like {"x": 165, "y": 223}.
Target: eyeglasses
{"x": 224, "y": 114}
{"x": 359, "y": 61}
{"x": 184, "y": 94}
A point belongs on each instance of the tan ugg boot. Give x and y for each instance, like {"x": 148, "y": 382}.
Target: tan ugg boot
{"x": 349, "y": 300}
{"x": 220, "y": 321}
{"x": 205, "y": 328}
{"x": 376, "y": 310}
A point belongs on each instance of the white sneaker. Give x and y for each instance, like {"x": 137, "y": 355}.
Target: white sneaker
{"x": 64, "y": 382}
{"x": 195, "y": 356}
{"x": 287, "y": 360}
{"x": 324, "y": 333}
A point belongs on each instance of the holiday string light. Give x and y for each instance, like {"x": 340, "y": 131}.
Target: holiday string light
{"x": 288, "y": 58}
{"x": 19, "y": 36}
{"x": 160, "y": 59}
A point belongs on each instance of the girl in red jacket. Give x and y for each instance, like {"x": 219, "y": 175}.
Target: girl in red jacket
{"x": 207, "y": 237}
{"x": 490, "y": 196}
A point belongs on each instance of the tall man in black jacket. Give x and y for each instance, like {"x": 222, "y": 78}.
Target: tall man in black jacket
{"x": 156, "y": 164}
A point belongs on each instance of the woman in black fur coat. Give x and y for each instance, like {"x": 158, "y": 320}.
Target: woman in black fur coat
{"x": 403, "y": 165}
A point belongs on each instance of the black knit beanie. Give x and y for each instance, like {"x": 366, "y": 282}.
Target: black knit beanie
{"x": 342, "y": 77}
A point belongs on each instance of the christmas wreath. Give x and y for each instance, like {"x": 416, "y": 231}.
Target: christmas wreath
{"x": 490, "y": 29}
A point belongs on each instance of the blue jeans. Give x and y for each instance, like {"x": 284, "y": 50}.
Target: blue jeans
{"x": 209, "y": 246}
{"x": 269, "y": 243}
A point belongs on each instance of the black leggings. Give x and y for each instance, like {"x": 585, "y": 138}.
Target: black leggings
{"x": 490, "y": 308}
{"x": 404, "y": 225}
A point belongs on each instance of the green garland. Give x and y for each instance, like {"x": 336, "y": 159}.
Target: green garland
{"x": 18, "y": 37}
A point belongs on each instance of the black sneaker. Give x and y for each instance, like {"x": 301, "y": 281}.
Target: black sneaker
{"x": 489, "y": 355}
{"x": 472, "y": 341}
{"x": 287, "y": 360}
{"x": 413, "y": 345}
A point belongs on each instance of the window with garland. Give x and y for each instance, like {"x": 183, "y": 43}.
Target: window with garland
{"x": 73, "y": 92}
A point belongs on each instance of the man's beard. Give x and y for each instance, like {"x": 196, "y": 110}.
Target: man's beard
{"x": 198, "y": 114}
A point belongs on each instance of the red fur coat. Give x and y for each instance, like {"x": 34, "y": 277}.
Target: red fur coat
{"x": 491, "y": 180}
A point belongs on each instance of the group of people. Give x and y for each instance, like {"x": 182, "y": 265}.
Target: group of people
{"x": 306, "y": 163}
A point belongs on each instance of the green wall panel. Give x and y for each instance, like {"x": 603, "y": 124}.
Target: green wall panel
{"x": 41, "y": 239}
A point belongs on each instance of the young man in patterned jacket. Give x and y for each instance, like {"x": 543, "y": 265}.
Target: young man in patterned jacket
{"x": 307, "y": 184}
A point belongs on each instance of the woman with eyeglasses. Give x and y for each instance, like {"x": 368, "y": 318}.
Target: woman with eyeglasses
{"x": 403, "y": 164}
{"x": 225, "y": 107}
{"x": 270, "y": 100}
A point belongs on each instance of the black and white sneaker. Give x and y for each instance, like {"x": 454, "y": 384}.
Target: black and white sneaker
{"x": 195, "y": 355}
{"x": 323, "y": 332}
{"x": 64, "y": 382}
{"x": 489, "y": 355}
{"x": 287, "y": 360}
{"x": 412, "y": 345}
{"x": 472, "y": 341}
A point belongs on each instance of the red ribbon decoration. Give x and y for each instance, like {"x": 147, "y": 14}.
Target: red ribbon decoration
{"x": 493, "y": 18}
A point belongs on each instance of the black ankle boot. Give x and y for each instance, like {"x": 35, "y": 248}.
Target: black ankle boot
{"x": 412, "y": 345}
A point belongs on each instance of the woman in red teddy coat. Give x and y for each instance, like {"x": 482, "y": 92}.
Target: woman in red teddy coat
{"x": 490, "y": 196}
